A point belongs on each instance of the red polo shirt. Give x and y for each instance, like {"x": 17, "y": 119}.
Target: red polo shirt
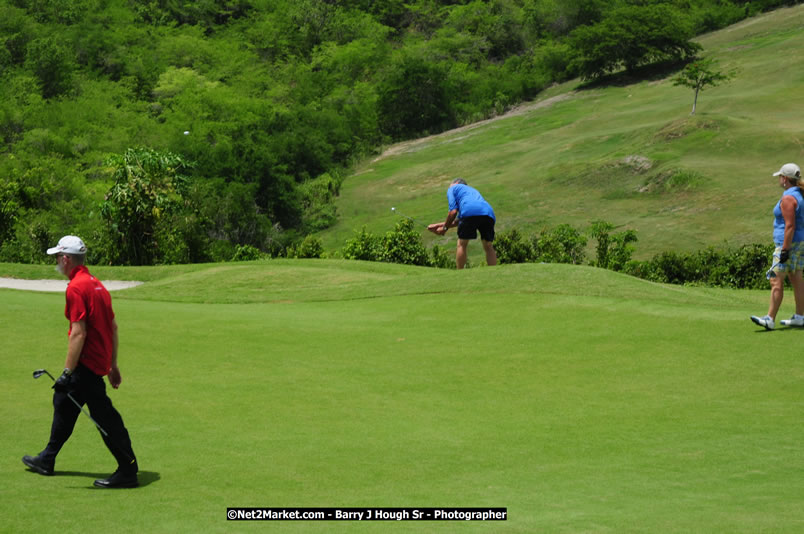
{"x": 89, "y": 301}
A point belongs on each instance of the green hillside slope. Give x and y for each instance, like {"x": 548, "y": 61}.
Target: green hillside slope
{"x": 628, "y": 154}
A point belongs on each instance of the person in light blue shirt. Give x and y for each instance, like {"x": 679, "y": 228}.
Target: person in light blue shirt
{"x": 470, "y": 212}
{"x": 788, "y": 258}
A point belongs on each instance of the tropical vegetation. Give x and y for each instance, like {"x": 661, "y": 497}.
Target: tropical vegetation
{"x": 174, "y": 132}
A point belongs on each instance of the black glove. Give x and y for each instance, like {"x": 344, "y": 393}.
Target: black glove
{"x": 784, "y": 256}
{"x": 62, "y": 385}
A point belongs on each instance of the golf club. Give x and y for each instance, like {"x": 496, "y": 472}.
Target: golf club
{"x": 397, "y": 212}
{"x": 40, "y": 372}
{"x": 771, "y": 274}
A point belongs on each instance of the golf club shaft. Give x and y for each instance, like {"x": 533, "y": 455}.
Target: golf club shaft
{"x": 40, "y": 372}
{"x": 79, "y": 406}
{"x": 771, "y": 273}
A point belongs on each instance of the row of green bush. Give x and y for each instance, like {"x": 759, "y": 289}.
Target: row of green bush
{"x": 403, "y": 244}
{"x": 742, "y": 267}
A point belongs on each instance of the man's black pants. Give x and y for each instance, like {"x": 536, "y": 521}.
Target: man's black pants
{"x": 88, "y": 388}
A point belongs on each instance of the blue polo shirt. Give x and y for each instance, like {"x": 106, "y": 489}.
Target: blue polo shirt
{"x": 778, "y": 218}
{"x": 468, "y": 201}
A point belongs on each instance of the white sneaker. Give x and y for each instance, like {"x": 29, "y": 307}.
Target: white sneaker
{"x": 795, "y": 320}
{"x": 766, "y": 321}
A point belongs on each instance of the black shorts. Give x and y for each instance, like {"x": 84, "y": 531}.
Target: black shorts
{"x": 469, "y": 226}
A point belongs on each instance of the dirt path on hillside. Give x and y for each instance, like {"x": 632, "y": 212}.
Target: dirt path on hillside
{"x": 405, "y": 146}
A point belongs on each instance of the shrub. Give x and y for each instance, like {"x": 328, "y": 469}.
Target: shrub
{"x": 246, "y": 253}
{"x": 404, "y": 245}
{"x": 511, "y": 247}
{"x": 310, "y": 247}
{"x": 613, "y": 251}
{"x": 563, "y": 244}
{"x": 747, "y": 266}
{"x": 441, "y": 258}
{"x": 363, "y": 246}
{"x": 743, "y": 267}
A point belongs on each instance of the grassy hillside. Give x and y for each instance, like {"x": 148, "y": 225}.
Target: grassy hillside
{"x": 580, "y": 399}
{"x": 628, "y": 154}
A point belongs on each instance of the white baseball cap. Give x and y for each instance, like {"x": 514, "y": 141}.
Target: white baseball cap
{"x": 69, "y": 244}
{"x": 789, "y": 170}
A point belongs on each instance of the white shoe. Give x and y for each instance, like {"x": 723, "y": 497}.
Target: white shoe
{"x": 795, "y": 320}
{"x": 766, "y": 321}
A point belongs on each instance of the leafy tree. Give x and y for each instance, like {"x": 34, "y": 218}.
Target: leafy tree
{"x": 559, "y": 17}
{"x": 60, "y": 11}
{"x": 412, "y": 97}
{"x": 699, "y": 74}
{"x": 16, "y": 31}
{"x": 9, "y": 206}
{"x": 52, "y": 63}
{"x": 631, "y": 36}
{"x": 207, "y": 13}
{"x": 148, "y": 186}
{"x": 232, "y": 212}
{"x": 497, "y": 22}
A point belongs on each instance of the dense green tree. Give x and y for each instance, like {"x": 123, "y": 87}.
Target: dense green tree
{"x": 498, "y": 22}
{"x": 9, "y": 206}
{"x": 58, "y": 11}
{"x": 412, "y": 97}
{"x": 148, "y": 187}
{"x": 631, "y": 36}
{"x": 16, "y": 31}
{"x": 555, "y": 18}
{"x": 51, "y": 61}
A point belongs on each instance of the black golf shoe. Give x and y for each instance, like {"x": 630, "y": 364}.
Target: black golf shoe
{"x": 118, "y": 480}
{"x": 35, "y": 463}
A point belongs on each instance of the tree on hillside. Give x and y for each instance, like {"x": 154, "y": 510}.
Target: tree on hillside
{"x": 413, "y": 99}
{"x": 699, "y": 74}
{"x": 52, "y": 63}
{"x": 631, "y": 36}
{"x": 148, "y": 187}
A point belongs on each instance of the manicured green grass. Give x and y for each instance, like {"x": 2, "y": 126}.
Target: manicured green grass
{"x": 580, "y": 399}
{"x": 565, "y": 162}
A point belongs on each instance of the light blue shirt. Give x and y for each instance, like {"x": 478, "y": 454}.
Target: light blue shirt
{"x": 778, "y": 218}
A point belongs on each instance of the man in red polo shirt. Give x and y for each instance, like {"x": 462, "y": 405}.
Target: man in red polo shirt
{"x": 91, "y": 355}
